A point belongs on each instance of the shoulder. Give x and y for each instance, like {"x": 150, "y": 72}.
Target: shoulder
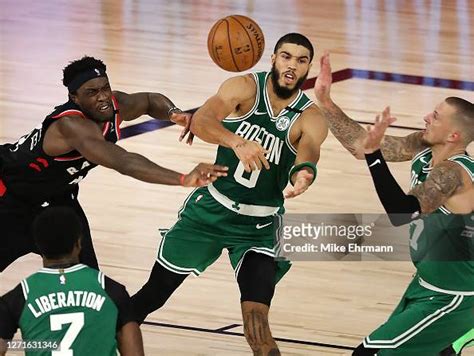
{"x": 243, "y": 86}
{"x": 455, "y": 169}
{"x": 121, "y": 96}
{"x": 312, "y": 118}
{"x": 76, "y": 125}
{"x": 446, "y": 166}
{"x": 449, "y": 174}
{"x": 465, "y": 161}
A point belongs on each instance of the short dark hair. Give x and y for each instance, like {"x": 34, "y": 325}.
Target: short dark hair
{"x": 81, "y": 65}
{"x": 464, "y": 116}
{"x": 56, "y": 230}
{"x": 296, "y": 38}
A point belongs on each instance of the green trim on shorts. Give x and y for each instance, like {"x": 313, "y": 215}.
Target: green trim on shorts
{"x": 205, "y": 228}
{"x": 417, "y": 328}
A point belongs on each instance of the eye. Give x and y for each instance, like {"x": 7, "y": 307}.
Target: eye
{"x": 302, "y": 61}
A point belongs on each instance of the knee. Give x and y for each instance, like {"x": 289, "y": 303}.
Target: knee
{"x": 256, "y": 278}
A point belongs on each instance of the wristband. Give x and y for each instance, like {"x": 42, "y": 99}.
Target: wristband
{"x": 299, "y": 167}
{"x": 181, "y": 179}
{"x": 172, "y": 110}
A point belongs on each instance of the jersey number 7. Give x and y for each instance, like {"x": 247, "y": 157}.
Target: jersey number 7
{"x": 77, "y": 322}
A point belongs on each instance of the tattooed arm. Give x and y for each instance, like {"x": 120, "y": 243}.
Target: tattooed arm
{"x": 350, "y": 133}
{"x": 443, "y": 182}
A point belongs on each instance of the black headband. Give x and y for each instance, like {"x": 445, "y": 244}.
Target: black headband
{"x": 83, "y": 77}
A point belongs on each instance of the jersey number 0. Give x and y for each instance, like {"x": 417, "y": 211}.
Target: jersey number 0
{"x": 250, "y": 182}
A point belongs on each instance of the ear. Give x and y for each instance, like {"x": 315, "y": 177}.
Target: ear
{"x": 454, "y": 137}
{"x": 273, "y": 58}
{"x": 73, "y": 98}
{"x": 79, "y": 243}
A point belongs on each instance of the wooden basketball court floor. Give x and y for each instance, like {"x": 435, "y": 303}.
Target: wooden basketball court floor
{"x": 410, "y": 55}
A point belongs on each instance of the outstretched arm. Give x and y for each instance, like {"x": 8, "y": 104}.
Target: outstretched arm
{"x": 350, "y": 133}
{"x": 314, "y": 131}
{"x": 85, "y": 137}
{"x": 207, "y": 121}
{"x": 444, "y": 180}
{"x": 156, "y": 105}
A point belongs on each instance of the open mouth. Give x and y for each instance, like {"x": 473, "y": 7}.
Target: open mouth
{"x": 289, "y": 78}
{"x": 104, "y": 108}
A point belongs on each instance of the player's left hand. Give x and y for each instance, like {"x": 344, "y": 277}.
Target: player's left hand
{"x": 303, "y": 180}
{"x": 183, "y": 119}
{"x": 376, "y": 132}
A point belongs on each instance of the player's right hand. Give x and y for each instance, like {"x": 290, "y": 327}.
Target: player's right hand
{"x": 183, "y": 119}
{"x": 252, "y": 155}
{"x": 376, "y": 132}
{"x": 204, "y": 174}
{"x": 322, "y": 87}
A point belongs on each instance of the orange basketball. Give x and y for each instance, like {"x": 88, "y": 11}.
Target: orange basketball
{"x": 235, "y": 43}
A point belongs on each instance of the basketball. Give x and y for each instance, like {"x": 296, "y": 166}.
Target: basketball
{"x": 235, "y": 43}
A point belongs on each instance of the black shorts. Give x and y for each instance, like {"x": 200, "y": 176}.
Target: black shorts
{"x": 16, "y": 220}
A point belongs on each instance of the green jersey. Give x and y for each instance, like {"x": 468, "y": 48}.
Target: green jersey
{"x": 77, "y": 308}
{"x": 442, "y": 243}
{"x": 261, "y": 187}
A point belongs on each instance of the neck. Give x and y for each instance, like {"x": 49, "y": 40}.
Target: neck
{"x": 443, "y": 152}
{"x": 62, "y": 262}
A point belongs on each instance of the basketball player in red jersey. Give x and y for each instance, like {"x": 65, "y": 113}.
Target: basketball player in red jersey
{"x": 45, "y": 166}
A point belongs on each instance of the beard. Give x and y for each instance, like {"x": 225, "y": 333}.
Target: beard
{"x": 283, "y": 92}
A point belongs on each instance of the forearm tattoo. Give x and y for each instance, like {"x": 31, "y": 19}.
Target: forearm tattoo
{"x": 399, "y": 149}
{"x": 346, "y": 130}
